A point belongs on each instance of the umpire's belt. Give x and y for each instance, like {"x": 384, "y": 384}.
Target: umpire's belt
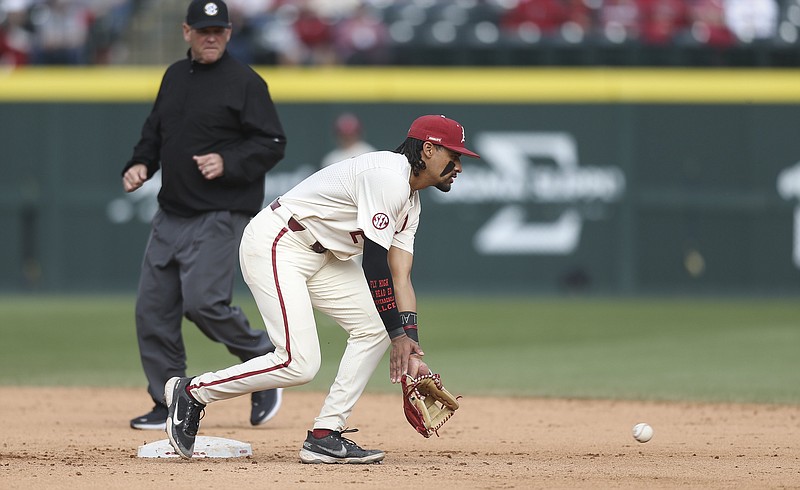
{"x": 295, "y": 225}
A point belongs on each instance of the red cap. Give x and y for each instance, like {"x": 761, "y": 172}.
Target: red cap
{"x": 441, "y": 131}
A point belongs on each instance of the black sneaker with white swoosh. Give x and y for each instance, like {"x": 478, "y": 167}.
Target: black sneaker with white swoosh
{"x": 184, "y": 415}
{"x": 334, "y": 448}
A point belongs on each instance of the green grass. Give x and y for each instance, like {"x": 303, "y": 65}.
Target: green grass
{"x": 738, "y": 350}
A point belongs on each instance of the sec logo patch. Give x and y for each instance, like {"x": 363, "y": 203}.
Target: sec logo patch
{"x": 380, "y": 221}
{"x": 211, "y": 9}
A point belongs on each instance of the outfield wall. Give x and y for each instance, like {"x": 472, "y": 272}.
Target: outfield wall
{"x": 606, "y": 181}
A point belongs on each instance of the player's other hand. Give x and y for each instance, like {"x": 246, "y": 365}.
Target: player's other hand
{"x": 405, "y": 358}
{"x": 134, "y": 177}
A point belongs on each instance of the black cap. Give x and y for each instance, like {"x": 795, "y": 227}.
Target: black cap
{"x": 207, "y": 13}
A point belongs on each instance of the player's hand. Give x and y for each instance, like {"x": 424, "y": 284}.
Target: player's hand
{"x": 405, "y": 356}
{"x": 211, "y": 165}
{"x": 134, "y": 177}
{"x": 417, "y": 367}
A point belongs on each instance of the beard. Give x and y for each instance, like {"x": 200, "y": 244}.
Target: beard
{"x": 445, "y": 186}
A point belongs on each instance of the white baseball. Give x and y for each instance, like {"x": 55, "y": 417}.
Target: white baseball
{"x": 642, "y": 432}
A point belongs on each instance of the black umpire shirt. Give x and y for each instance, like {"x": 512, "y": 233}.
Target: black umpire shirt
{"x": 224, "y": 108}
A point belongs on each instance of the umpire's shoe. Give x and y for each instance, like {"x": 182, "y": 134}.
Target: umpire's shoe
{"x": 265, "y": 405}
{"x": 334, "y": 448}
{"x": 153, "y": 420}
{"x": 184, "y": 416}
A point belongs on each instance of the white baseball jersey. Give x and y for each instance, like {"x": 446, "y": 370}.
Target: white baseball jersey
{"x": 366, "y": 195}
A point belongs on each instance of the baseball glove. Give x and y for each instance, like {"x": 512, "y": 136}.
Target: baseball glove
{"x": 427, "y": 404}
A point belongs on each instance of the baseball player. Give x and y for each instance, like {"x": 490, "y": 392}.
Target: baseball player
{"x": 295, "y": 257}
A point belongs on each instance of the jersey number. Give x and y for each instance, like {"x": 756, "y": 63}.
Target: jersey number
{"x": 355, "y": 234}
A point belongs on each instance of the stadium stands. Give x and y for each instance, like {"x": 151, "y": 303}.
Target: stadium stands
{"x": 739, "y": 33}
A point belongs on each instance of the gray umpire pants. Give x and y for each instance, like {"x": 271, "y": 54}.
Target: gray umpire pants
{"x": 188, "y": 270}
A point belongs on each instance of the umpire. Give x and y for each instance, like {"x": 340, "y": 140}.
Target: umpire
{"x": 213, "y": 132}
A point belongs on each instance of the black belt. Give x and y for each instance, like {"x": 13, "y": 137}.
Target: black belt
{"x": 295, "y": 225}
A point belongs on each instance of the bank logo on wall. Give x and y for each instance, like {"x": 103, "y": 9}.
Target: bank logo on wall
{"x": 141, "y": 205}
{"x": 528, "y": 169}
{"x": 524, "y": 169}
{"x": 789, "y": 189}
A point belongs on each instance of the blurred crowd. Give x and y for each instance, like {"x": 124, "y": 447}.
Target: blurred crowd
{"x": 61, "y": 32}
{"x": 392, "y": 32}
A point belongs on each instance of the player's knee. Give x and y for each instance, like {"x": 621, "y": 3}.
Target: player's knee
{"x": 304, "y": 367}
{"x": 304, "y": 377}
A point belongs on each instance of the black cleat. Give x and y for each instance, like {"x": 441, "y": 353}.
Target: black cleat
{"x": 265, "y": 405}
{"x": 155, "y": 420}
{"x": 183, "y": 418}
{"x": 334, "y": 448}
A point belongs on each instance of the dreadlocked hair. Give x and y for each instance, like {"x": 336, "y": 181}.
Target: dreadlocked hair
{"x": 412, "y": 150}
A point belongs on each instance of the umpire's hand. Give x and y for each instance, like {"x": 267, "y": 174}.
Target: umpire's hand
{"x": 211, "y": 165}
{"x": 134, "y": 177}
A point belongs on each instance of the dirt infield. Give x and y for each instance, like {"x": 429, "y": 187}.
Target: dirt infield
{"x": 78, "y": 438}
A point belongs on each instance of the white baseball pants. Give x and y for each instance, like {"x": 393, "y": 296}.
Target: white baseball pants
{"x": 288, "y": 280}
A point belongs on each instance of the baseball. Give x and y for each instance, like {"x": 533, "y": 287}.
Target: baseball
{"x": 642, "y": 432}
